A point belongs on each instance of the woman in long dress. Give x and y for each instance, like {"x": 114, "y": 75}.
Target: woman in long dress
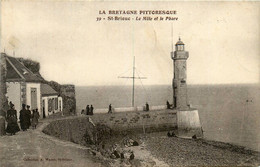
{"x": 35, "y": 118}
{"x": 12, "y": 125}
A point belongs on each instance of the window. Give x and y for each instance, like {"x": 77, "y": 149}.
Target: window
{"x": 180, "y": 47}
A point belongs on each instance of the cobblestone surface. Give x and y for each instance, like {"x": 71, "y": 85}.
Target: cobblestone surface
{"x": 33, "y": 148}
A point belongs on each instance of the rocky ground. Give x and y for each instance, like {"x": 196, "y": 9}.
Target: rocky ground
{"x": 189, "y": 152}
{"x": 157, "y": 149}
{"x": 117, "y": 145}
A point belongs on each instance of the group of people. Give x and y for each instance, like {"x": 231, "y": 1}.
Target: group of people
{"x": 89, "y": 110}
{"x": 27, "y": 119}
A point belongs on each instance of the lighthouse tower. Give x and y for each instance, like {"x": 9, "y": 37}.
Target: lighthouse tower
{"x": 188, "y": 121}
{"x": 180, "y": 56}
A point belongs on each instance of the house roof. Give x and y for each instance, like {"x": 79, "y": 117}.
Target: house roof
{"x": 47, "y": 90}
{"x": 11, "y": 72}
{"x": 16, "y": 71}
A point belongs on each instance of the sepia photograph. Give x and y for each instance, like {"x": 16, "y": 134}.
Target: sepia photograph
{"x": 129, "y": 83}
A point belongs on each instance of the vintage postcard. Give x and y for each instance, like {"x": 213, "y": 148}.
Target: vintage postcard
{"x": 129, "y": 83}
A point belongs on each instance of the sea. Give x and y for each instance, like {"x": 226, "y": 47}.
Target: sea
{"x": 228, "y": 113}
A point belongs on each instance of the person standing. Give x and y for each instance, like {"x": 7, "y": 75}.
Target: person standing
{"x": 35, "y": 118}
{"x": 91, "y": 109}
{"x": 23, "y": 117}
{"x": 12, "y": 125}
{"x": 28, "y": 117}
{"x": 168, "y": 105}
{"x": 87, "y": 110}
{"x": 147, "y": 106}
{"x": 110, "y": 108}
{"x": 43, "y": 114}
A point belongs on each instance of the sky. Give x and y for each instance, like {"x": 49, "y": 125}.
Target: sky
{"x": 222, "y": 39}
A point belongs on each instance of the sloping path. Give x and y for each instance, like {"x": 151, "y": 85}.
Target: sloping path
{"x": 33, "y": 148}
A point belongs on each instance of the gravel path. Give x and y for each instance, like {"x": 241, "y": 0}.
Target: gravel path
{"x": 32, "y": 148}
{"x": 187, "y": 152}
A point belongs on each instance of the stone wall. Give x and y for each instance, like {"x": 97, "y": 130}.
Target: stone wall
{"x": 3, "y": 99}
{"x": 74, "y": 129}
{"x": 68, "y": 95}
{"x": 138, "y": 121}
{"x": 68, "y": 90}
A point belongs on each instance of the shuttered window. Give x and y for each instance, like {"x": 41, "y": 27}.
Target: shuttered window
{"x": 56, "y": 103}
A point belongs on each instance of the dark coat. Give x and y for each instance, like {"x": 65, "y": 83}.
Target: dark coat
{"x": 87, "y": 110}
{"x": 25, "y": 119}
{"x": 110, "y": 108}
{"x": 28, "y": 117}
{"x": 91, "y": 110}
{"x": 147, "y": 107}
{"x": 22, "y": 118}
{"x": 12, "y": 126}
{"x": 168, "y": 105}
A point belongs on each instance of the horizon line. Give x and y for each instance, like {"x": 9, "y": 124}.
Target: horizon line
{"x": 167, "y": 84}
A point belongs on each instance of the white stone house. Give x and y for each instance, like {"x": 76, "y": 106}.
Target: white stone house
{"x": 24, "y": 87}
{"x": 51, "y": 101}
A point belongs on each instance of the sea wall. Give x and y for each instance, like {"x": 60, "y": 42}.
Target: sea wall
{"x": 189, "y": 123}
{"x": 140, "y": 121}
{"x": 74, "y": 129}
{"x": 129, "y": 109}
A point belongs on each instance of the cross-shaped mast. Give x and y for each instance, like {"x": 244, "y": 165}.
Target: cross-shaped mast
{"x": 133, "y": 78}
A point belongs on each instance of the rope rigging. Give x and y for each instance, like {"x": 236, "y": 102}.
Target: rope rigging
{"x": 133, "y": 79}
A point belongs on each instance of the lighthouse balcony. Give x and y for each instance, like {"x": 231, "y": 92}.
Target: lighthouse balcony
{"x": 181, "y": 55}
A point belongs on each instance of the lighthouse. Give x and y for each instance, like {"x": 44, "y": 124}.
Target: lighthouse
{"x": 180, "y": 96}
{"x": 188, "y": 121}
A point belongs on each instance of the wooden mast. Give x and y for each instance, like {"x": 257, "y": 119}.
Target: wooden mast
{"x": 133, "y": 78}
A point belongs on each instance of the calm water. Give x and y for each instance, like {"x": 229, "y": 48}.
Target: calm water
{"x": 224, "y": 111}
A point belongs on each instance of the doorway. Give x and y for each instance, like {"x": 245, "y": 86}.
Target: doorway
{"x": 33, "y": 98}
